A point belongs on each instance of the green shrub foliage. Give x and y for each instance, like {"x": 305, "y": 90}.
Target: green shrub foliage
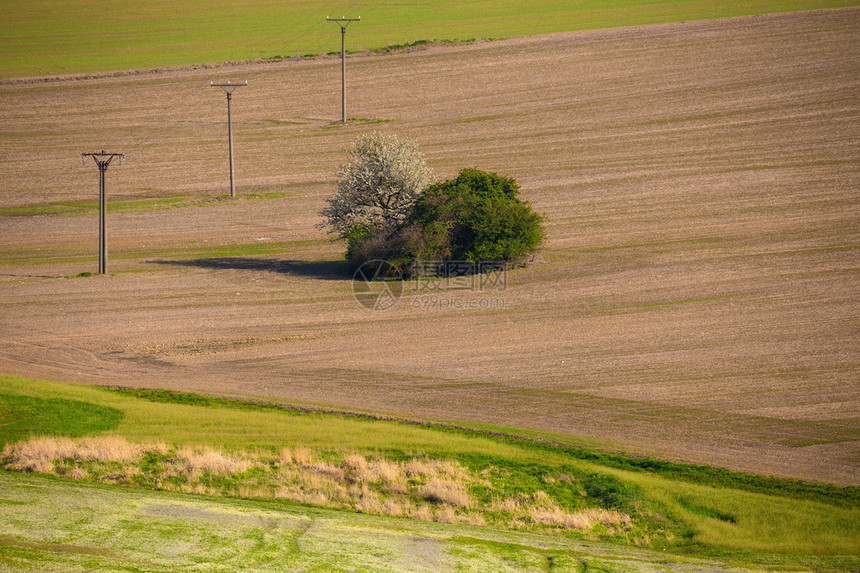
{"x": 476, "y": 217}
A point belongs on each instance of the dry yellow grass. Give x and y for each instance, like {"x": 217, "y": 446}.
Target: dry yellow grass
{"x": 40, "y": 454}
{"x": 299, "y": 455}
{"x": 429, "y": 469}
{"x": 360, "y": 469}
{"x": 446, "y": 491}
{"x": 539, "y": 508}
{"x": 197, "y": 461}
{"x": 328, "y": 470}
{"x": 696, "y": 299}
{"x": 431, "y": 490}
{"x": 286, "y": 456}
{"x": 36, "y": 455}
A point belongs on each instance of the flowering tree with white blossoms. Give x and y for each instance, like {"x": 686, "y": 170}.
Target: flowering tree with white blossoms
{"x": 377, "y": 188}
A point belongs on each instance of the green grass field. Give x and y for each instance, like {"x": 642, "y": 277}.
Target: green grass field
{"x": 677, "y": 508}
{"x": 47, "y": 38}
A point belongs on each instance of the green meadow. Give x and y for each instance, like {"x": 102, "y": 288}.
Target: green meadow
{"x": 43, "y": 38}
{"x": 628, "y": 504}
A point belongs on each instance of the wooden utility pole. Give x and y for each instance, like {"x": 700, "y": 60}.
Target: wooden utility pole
{"x": 229, "y": 89}
{"x": 343, "y": 23}
{"x": 102, "y": 159}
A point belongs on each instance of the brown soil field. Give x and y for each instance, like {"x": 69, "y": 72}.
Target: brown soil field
{"x": 696, "y": 299}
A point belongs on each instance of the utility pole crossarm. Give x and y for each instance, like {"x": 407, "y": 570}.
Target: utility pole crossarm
{"x": 344, "y": 19}
{"x": 228, "y": 87}
{"x": 102, "y": 157}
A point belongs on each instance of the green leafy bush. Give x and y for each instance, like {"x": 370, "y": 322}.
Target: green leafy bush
{"x": 476, "y": 217}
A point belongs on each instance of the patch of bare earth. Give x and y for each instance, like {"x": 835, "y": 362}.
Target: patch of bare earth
{"x": 697, "y": 298}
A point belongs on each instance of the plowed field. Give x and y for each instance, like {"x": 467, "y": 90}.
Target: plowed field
{"x": 697, "y": 298}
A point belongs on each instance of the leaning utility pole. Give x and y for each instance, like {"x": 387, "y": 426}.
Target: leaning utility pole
{"x": 229, "y": 89}
{"x": 102, "y": 159}
{"x": 343, "y": 23}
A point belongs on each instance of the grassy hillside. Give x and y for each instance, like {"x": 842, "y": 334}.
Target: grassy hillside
{"x": 226, "y": 448}
{"x": 46, "y": 38}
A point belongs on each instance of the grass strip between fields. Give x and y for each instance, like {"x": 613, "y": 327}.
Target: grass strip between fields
{"x": 91, "y": 207}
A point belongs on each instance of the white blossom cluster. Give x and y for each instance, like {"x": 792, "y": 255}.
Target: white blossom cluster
{"x": 379, "y": 184}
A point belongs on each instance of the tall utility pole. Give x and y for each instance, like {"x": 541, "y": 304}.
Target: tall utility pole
{"x": 102, "y": 159}
{"x": 229, "y": 89}
{"x": 343, "y": 23}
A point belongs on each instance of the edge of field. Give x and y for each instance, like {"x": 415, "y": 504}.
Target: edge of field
{"x": 38, "y": 44}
